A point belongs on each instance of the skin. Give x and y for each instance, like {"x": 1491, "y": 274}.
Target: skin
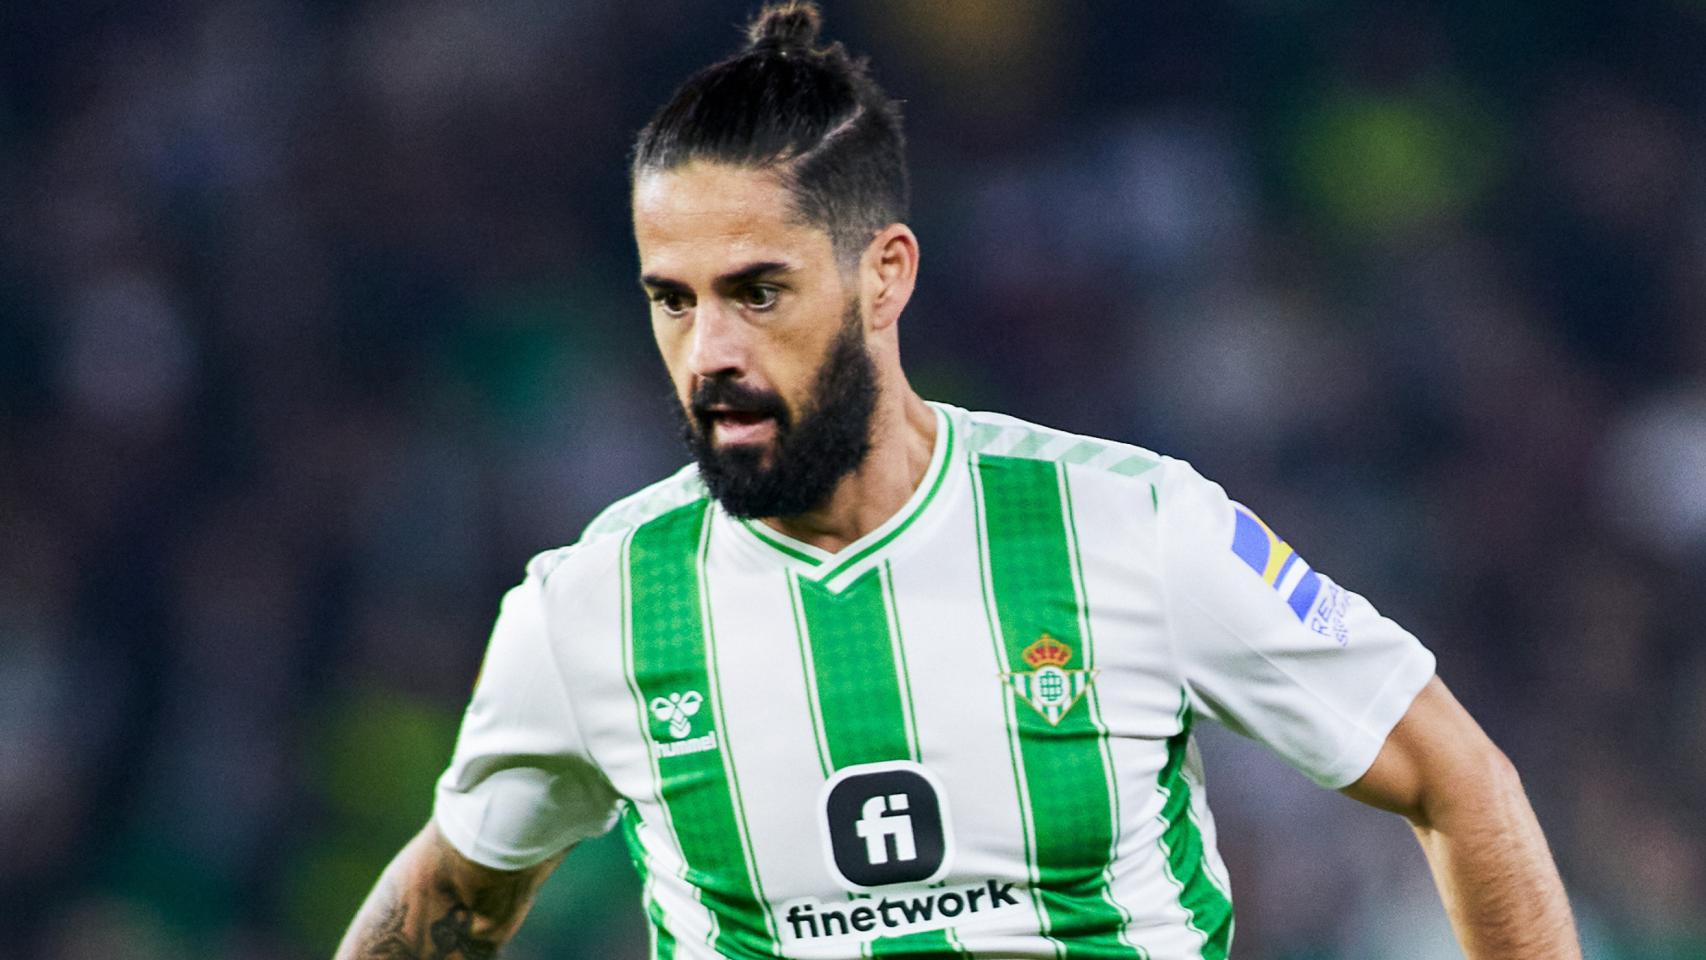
{"x": 701, "y": 230}
{"x": 1464, "y": 800}
{"x": 432, "y": 903}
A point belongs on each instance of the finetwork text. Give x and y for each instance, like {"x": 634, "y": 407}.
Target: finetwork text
{"x": 893, "y": 914}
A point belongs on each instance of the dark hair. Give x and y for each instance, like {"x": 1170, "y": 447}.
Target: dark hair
{"x": 811, "y": 113}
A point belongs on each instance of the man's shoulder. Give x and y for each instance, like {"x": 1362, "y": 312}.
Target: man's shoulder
{"x": 648, "y": 503}
{"x": 1104, "y": 471}
{"x": 989, "y": 434}
{"x": 604, "y": 534}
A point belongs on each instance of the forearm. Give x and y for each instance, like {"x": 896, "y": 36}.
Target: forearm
{"x": 430, "y": 904}
{"x": 1495, "y": 873}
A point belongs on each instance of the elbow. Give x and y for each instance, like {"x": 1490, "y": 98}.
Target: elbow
{"x": 1484, "y": 780}
{"x": 1502, "y": 771}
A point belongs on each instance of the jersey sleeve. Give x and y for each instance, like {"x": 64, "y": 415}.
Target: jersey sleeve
{"x": 521, "y": 786}
{"x": 1272, "y": 648}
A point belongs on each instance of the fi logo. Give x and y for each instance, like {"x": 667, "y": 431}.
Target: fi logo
{"x": 884, "y": 824}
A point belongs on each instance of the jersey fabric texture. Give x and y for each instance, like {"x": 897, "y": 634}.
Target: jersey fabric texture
{"x": 966, "y": 734}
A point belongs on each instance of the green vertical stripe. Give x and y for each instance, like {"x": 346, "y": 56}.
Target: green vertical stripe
{"x": 662, "y": 938}
{"x": 1030, "y": 569}
{"x": 671, "y": 650}
{"x": 863, "y": 697}
{"x": 1181, "y": 841}
{"x": 857, "y": 687}
{"x": 1008, "y": 707}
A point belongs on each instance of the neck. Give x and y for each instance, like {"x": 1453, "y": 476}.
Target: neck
{"x": 903, "y": 436}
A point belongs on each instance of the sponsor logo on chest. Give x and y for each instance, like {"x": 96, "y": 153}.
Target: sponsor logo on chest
{"x": 888, "y": 839}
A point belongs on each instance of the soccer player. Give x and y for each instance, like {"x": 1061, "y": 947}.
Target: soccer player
{"x": 876, "y": 676}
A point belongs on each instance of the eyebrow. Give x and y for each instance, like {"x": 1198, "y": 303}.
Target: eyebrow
{"x": 734, "y": 278}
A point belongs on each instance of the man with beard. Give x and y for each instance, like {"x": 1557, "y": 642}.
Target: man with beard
{"x": 797, "y": 472}
{"x": 882, "y": 677}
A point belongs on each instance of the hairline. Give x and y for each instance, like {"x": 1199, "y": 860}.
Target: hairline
{"x": 848, "y": 245}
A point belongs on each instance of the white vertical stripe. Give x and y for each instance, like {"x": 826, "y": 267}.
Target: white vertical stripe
{"x": 767, "y": 716}
{"x": 803, "y": 642}
{"x": 713, "y": 658}
{"x": 901, "y": 662}
{"x": 1137, "y": 690}
{"x": 962, "y": 704}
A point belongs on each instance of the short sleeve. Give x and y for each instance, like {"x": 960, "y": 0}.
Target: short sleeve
{"x": 521, "y": 786}
{"x": 1272, "y": 648}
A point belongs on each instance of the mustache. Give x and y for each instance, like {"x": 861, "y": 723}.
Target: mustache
{"x": 734, "y": 396}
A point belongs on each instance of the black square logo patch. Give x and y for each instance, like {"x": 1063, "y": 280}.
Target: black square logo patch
{"x": 885, "y": 824}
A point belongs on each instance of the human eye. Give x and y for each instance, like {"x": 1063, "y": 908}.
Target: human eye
{"x": 759, "y": 296}
{"x": 672, "y": 302}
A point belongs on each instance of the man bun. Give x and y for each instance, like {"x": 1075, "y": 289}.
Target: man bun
{"x": 810, "y": 114}
{"x": 784, "y": 27}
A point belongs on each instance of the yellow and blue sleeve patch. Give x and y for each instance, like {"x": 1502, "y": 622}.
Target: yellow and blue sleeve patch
{"x": 1274, "y": 561}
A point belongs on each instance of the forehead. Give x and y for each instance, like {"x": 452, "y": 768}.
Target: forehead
{"x": 706, "y": 214}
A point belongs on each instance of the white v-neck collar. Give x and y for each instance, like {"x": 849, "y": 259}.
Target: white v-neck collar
{"x": 836, "y": 570}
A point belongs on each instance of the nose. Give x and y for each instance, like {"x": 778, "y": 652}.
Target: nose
{"x": 720, "y": 342}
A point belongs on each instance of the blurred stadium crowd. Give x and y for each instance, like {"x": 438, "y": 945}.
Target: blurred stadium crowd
{"x": 318, "y": 318}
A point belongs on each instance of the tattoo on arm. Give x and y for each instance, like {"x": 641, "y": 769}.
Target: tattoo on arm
{"x": 453, "y": 936}
{"x": 388, "y": 940}
{"x": 429, "y": 906}
{"x": 450, "y": 937}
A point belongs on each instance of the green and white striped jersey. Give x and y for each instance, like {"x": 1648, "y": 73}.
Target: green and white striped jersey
{"x": 966, "y": 734}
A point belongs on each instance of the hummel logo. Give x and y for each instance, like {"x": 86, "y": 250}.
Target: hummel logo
{"x": 677, "y": 711}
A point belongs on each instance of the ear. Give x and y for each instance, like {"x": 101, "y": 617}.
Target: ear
{"x": 887, "y": 272}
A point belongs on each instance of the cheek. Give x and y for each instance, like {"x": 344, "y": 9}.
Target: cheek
{"x": 797, "y": 367}
{"x": 672, "y": 347}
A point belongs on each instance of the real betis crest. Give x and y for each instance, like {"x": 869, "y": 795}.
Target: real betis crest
{"x": 1048, "y": 686}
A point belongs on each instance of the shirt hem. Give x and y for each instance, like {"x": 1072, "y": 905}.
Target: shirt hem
{"x": 1396, "y": 694}
{"x": 467, "y": 843}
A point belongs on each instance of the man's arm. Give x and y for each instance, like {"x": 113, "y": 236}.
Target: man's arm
{"x": 1467, "y": 805}
{"x": 432, "y": 903}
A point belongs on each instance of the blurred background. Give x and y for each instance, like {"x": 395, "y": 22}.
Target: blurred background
{"x": 317, "y": 319}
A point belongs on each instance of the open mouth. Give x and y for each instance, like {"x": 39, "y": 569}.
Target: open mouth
{"x": 741, "y": 426}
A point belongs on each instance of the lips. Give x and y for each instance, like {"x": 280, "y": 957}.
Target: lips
{"x": 741, "y": 426}
{"x": 730, "y": 412}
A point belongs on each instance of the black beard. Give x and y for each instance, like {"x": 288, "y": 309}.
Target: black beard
{"x": 808, "y": 459}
